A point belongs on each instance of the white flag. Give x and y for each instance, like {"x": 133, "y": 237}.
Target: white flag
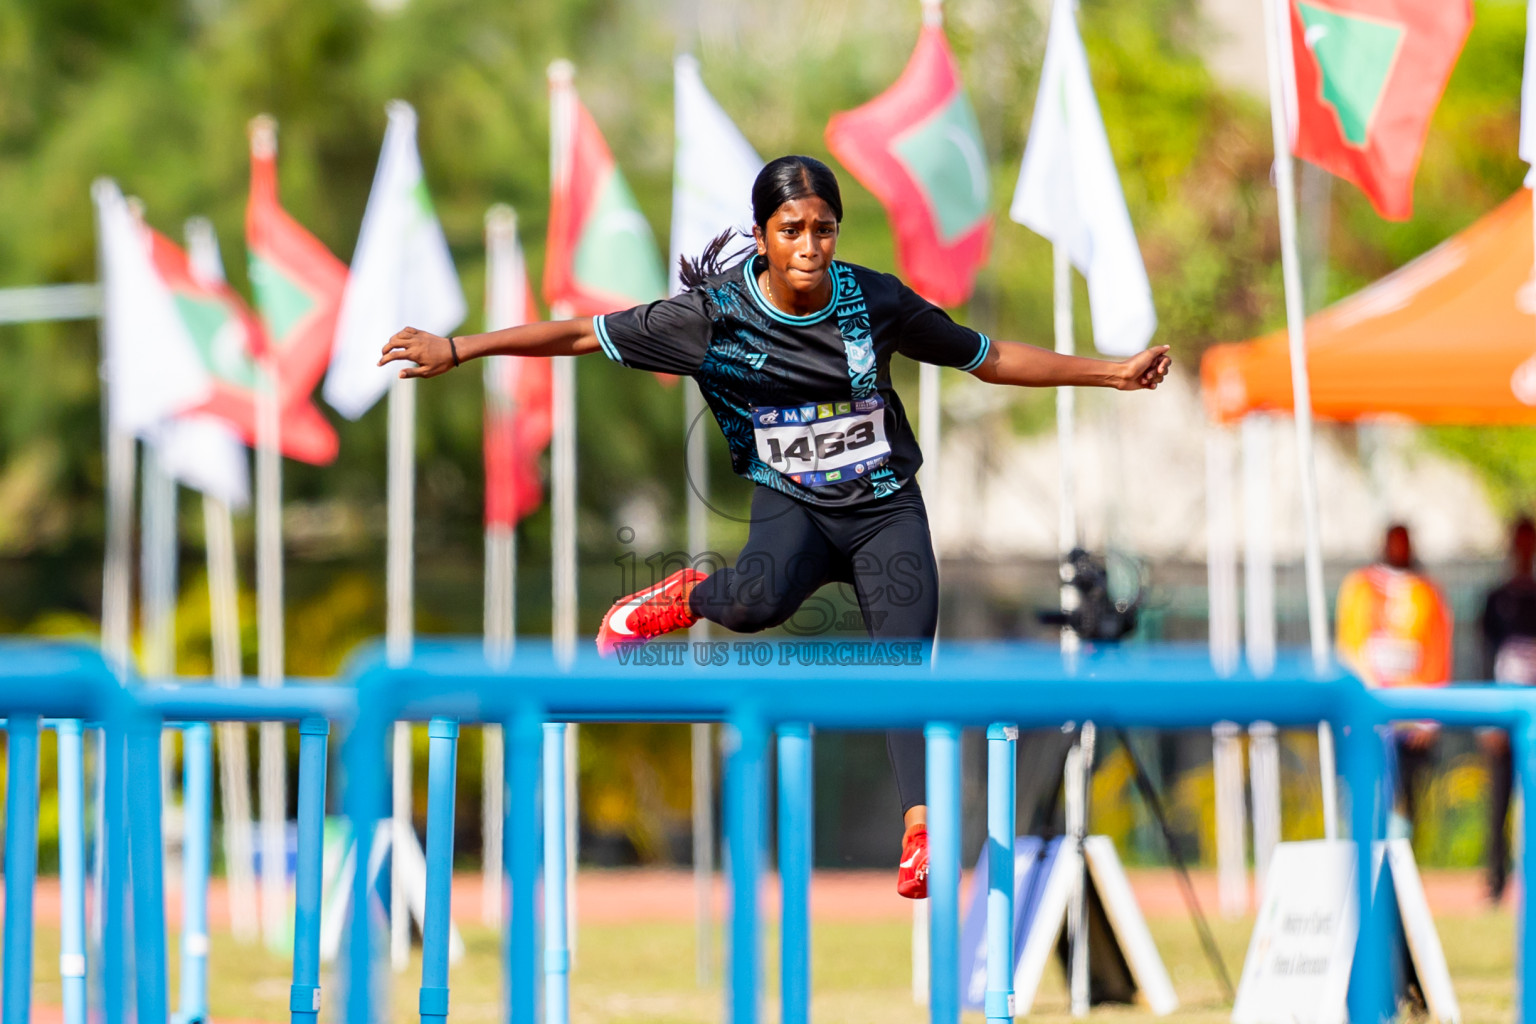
{"x": 714, "y": 170}
{"x": 1069, "y": 191}
{"x": 1528, "y": 97}
{"x": 151, "y": 366}
{"x": 199, "y": 450}
{"x": 204, "y": 453}
{"x": 402, "y": 274}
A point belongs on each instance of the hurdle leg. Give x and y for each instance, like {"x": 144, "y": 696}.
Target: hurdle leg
{"x": 796, "y": 851}
{"x": 1002, "y": 757}
{"x": 522, "y": 855}
{"x": 557, "y": 952}
{"x": 1370, "y": 981}
{"x": 745, "y": 775}
{"x": 146, "y": 851}
{"x": 944, "y": 872}
{"x": 304, "y": 995}
{"x": 197, "y": 822}
{"x": 1524, "y": 739}
{"x": 442, "y": 762}
{"x": 20, "y": 864}
{"x": 71, "y": 750}
{"x": 365, "y": 794}
{"x": 113, "y": 862}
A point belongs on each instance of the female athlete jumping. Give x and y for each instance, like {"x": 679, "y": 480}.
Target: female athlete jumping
{"x": 792, "y": 351}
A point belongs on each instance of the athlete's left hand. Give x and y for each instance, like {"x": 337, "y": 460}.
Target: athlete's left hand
{"x": 1143, "y": 371}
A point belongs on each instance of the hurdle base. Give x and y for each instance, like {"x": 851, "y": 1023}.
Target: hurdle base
{"x": 1123, "y": 960}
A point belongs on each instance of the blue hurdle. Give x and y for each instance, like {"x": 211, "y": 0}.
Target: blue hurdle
{"x": 197, "y": 768}
{"x": 448, "y": 683}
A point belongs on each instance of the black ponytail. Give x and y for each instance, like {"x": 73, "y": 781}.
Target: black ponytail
{"x": 694, "y": 272}
{"x": 784, "y": 180}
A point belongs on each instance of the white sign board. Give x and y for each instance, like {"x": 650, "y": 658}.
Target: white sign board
{"x": 1128, "y": 926}
{"x": 1303, "y": 946}
{"x": 1426, "y": 954}
{"x": 1297, "y": 968}
{"x": 1043, "y": 890}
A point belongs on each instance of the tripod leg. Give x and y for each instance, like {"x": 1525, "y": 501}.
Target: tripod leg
{"x": 1155, "y": 805}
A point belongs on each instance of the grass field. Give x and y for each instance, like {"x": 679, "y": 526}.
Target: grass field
{"x": 643, "y": 973}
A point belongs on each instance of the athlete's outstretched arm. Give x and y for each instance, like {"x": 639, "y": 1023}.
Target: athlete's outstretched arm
{"x": 1012, "y": 362}
{"x": 432, "y": 354}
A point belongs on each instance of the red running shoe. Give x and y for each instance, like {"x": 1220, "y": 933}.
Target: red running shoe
{"x": 650, "y": 613}
{"x": 912, "y": 880}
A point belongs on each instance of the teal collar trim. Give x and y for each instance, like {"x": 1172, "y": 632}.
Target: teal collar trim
{"x": 749, "y": 271}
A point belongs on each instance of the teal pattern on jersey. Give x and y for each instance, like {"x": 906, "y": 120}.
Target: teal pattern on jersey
{"x": 859, "y": 346}
{"x": 738, "y": 359}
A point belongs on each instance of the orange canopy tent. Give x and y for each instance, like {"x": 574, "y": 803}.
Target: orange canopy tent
{"x": 1449, "y": 338}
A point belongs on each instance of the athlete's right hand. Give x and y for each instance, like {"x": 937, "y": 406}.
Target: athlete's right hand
{"x": 431, "y": 354}
{"x": 1144, "y": 371}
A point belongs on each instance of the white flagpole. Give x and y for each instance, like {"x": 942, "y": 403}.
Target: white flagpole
{"x": 1231, "y": 826}
{"x": 118, "y": 448}
{"x": 157, "y": 566}
{"x": 1259, "y": 636}
{"x": 562, "y": 488}
{"x": 1080, "y": 767}
{"x": 1066, "y": 408}
{"x": 157, "y": 554}
{"x": 157, "y": 621}
{"x": 116, "y": 596}
{"x": 1221, "y": 551}
{"x": 1301, "y": 388}
{"x": 399, "y": 639}
{"x": 234, "y": 759}
{"x": 1258, "y": 546}
{"x": 117, "y": 571}
{"x": 157, "y": 598}
{"x": 269, "y": 619}
{"x": 563, "y": 502}
{"x": 928, "y": 441}
{"x": 1221, "y": 588}
{"x": 701, "y": 733}
{"x": 224, "y": 627}
{"x": 503, "y": 295}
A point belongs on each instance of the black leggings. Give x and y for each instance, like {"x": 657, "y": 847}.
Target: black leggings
{"x": 883, "y": 549}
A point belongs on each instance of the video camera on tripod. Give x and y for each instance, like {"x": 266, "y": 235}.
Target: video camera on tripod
{"x": 1097, "y": 615}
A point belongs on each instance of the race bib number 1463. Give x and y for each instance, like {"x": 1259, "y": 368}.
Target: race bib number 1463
{"x": 824, "y": 443}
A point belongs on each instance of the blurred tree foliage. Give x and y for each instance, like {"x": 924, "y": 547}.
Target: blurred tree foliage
{"x": 157, "y": 94}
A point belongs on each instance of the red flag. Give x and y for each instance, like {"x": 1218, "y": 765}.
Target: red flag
{"x": 1368, "y": 76}
{"x": 518, "y": 422}
{"x": 918, "y": 148}
{"x": 226, "y": 334}
{"x": 298, "y": 284}
{"x": 601, "y": 255}
{"x": 513, "y": 440}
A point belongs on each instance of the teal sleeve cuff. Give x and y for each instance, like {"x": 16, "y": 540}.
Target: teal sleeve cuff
{"x": 981, "y": 354}
{"x": 606, "y": 342}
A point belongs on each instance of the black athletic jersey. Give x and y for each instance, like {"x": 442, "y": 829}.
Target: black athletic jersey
{"x": 1509, "y": 615}
{"x": 805, "y": 402}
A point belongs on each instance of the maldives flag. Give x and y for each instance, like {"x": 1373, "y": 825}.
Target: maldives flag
{"x": 517, "y": 389}
{"x": 225, "y": 333}
{"x": 298, "y": 283}
{"x": 1368, "y": 76}
{"x": 601, "y": 255}
{"x": 918, "y": 148}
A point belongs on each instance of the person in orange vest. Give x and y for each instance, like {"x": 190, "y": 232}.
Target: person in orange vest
{"x": 1394, "y": 629}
